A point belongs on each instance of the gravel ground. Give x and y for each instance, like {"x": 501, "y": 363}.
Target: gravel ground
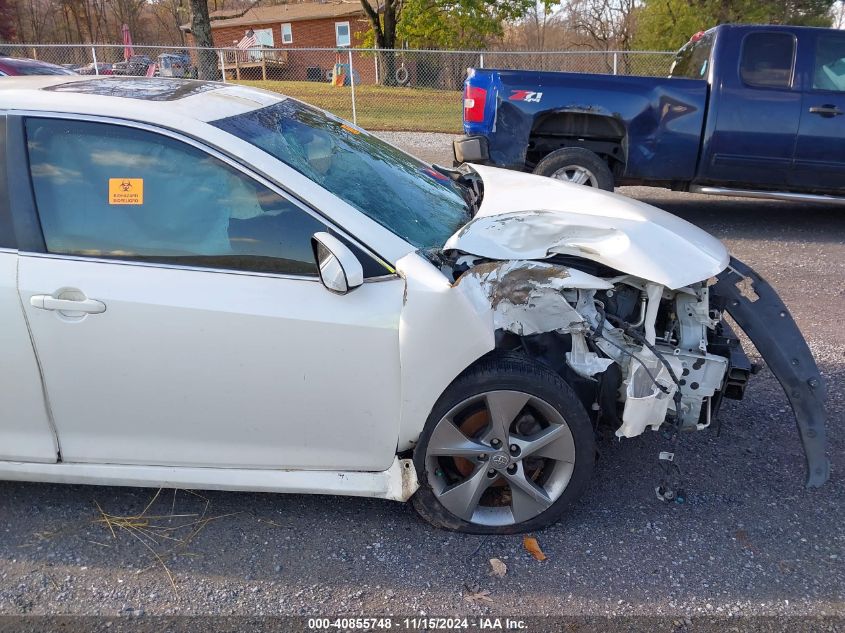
{"x": 750, "y": 539}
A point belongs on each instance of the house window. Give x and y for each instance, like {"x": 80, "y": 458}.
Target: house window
{"x": 341, "y": 33}
{"x": 287, "y": 34}
{"x": 264, "y": 37}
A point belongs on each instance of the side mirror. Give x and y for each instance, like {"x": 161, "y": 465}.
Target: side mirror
{"x": 340, "y": 270}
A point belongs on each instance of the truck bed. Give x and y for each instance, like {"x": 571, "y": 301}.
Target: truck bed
{"x": 656, "y": 122}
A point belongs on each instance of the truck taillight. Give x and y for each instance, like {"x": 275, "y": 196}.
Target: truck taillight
{"x": 474, "y": 100}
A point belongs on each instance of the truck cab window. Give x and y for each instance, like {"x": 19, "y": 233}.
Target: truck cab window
{"x": 693, "y": 60}
{"x": 767, "y": 60}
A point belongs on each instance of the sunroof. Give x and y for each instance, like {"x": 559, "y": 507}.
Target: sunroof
{"x": 144, "y": 88}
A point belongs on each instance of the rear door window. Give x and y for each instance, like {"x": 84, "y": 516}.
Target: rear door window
{"x": 768, "y": 60}
{"x": 829, "y": 70}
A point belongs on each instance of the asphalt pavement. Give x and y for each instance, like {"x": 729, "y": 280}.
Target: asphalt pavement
{"x": 749, "y": 540}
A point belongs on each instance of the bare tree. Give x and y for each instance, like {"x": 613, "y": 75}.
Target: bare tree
{"x": 127, "y": 12}
{"x": 170, "y": 15}
{"x": 7, "y": 20}
{"x": 537, "y": 23}
{"x": 35, "y": 18}
{"x": 608, "y": 23}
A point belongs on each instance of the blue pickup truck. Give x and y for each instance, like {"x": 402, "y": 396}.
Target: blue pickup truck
{"x": 747, "y": 110}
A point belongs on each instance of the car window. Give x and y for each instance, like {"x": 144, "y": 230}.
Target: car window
{"x": 110, "y": 191}
{"x": 767, "y": 60}
{"x": 400, "y": 192}
{"x": 829, "y": 71}
{"x": 693, "y": 60}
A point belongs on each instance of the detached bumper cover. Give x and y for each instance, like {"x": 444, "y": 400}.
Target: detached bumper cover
{"x": 759, "y": 311}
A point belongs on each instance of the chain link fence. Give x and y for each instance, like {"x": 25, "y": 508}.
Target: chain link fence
{"x": 415, "y": 90}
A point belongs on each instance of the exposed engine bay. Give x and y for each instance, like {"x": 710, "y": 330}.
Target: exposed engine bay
{"x": 637, "y": 352}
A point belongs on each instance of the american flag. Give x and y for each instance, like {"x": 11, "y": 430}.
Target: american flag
{"x": 248, "y": 40}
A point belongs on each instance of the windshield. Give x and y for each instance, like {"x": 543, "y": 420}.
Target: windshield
{"x": 403, "y": 194}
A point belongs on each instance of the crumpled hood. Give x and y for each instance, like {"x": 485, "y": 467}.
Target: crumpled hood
{"x": 524, "y": 216}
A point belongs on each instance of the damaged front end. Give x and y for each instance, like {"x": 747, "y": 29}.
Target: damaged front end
{"x": 642, "y": 355}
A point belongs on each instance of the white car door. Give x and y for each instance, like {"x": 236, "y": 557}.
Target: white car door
{"x": 179, "y": 319}
{"x": 26, "y": 434}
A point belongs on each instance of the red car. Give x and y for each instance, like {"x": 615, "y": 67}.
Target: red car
{"x": 13, "y": 66}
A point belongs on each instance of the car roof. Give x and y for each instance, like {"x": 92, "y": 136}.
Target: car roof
{"x": 762, "y": 26}
{"x": 152, "y": 100}
{"x": 25, "y": 61}
{"x": 26, "y": 66}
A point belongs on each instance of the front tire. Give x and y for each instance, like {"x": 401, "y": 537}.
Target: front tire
{"x": 507, "y": 448}
{"x": 577, "y": 165}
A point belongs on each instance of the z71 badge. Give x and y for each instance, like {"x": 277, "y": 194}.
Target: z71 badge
{"x": 526, "y": 95}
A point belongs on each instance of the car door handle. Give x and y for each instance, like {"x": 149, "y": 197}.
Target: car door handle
{"x": 826, "y": 110}
{"x": 49, "y": 302}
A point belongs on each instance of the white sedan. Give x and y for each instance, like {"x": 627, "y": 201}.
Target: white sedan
{"x": 209, "y": 286}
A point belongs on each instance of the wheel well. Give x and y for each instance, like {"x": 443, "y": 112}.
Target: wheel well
{"x": 601, "y": 134}
{"x": 548, "y": 349}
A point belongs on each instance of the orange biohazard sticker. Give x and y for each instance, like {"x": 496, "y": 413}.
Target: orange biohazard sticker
{"x": 126, "y": 191}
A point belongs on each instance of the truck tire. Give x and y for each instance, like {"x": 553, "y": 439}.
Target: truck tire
{"x": 529, "y": 401}
{"x": 576, "y": 165}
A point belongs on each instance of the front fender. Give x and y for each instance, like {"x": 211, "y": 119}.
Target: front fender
{"x": 442, "y": 331}
{"x": 759, "y": 311}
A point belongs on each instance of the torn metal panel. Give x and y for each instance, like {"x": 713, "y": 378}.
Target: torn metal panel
{"x": 561, "y": 218}
{"x": 402, "y": 480}
{"x": 762, "y": 315}
{"x": 528, "y": 297}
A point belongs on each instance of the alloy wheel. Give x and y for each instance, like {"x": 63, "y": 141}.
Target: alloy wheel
{"x": 500, "y": 458}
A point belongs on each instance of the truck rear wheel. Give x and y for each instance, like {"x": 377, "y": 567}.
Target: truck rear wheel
{"x": 576, "y": 165}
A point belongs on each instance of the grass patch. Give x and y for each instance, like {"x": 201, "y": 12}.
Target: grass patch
{"x": 379, "y": 107}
